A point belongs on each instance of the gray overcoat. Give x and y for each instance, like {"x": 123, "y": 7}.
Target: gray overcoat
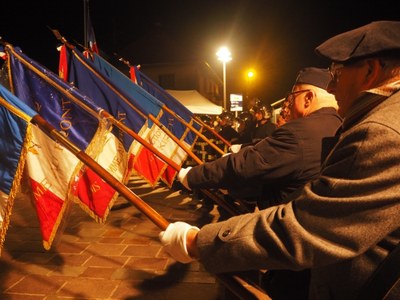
{"x": 341, "y": 225}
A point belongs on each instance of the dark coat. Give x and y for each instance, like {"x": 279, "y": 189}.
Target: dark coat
{"x": 277, "y": 165}
{"x": 262, "y": 130}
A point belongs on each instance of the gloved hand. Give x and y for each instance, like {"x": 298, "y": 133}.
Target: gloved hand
{"x": 182, "y": 177}
{"x": 235, "y": 148}
{"x": 174, "y": 241}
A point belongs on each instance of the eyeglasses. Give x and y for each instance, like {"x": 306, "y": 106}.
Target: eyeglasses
{"x": 335, "y": 70}
{"x": 292, "y": 95}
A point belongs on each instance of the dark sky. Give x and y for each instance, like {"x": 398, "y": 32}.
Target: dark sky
{"x": 276, "y": 38}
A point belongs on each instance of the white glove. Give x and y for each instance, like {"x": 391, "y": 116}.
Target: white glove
{"x": 235, "y": 148}
{"x": 226, "y": 154}
{"x": 174, "y": 241}
{"x": 182, "y": 177}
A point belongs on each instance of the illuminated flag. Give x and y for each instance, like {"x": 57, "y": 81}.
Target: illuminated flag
{"x": 49, "y": 167}
{"x": 95, "y": 195}
{"x": 51, "y": 97}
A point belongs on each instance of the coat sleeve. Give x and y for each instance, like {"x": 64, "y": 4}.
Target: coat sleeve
{"x": 273, "y": 157}
{"x": 345, "y": 212}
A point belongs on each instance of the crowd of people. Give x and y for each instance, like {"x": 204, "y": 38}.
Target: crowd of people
{"x": 326, "y": 180}
{"x": 249, "y": 127}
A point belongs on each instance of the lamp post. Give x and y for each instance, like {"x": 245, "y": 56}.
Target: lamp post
{"x": 224, "y": 55}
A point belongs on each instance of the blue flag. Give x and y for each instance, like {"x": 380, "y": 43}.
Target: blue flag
{"x": 14, "y": 134}
{"x": 65, "y": 115}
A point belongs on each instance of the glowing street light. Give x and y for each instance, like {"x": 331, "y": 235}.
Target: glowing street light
{"x": 250, "y": 75}
{"x": 224, "y": 55}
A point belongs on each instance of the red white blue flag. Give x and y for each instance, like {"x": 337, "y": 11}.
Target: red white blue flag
{"x": 53, "y": 171}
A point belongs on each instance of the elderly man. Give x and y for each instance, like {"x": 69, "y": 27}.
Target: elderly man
{"x": 280, "y": 164}
{"x": 345, "y": 224}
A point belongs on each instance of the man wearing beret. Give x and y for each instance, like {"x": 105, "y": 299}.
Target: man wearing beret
{"x": 344, "y": 224}
{"x": 281, "y": 163}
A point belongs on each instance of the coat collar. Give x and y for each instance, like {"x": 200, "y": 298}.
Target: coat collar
{"x": 368, "y": 101}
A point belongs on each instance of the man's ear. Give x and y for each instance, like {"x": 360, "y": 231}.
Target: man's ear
{"x": 308, "y": 98}
{"x": 373, "y": 71}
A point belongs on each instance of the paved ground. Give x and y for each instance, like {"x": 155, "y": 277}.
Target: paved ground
{"x": 121, "y": 259}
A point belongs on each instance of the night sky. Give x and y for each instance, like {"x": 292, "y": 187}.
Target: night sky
{"x": 275, "y": 38}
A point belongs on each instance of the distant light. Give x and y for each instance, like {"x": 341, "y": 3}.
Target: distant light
{"x": 224, "y": 54}
{"x": 250, "y": 74}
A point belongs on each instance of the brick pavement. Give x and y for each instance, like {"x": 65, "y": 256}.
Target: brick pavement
{"x": 120, "y": 259}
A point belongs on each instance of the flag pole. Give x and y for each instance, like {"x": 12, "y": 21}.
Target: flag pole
{"x": 198, "y": 133}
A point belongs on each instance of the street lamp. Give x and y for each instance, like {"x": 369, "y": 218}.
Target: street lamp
{"x": 224, "y": 55}
{"x": 250, "y": 75}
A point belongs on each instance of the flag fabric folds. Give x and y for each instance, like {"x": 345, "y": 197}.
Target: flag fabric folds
{"x": 14, "y": 135}
{"x": 54, "y": 173}
{"x": 50, "y": 168}
{"x": 93, "y": 193}
{"x": 28, "y": 84}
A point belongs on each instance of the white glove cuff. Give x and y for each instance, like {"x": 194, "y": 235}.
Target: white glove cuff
{"x": 235, "y": 148}
{"x": 182, "y": 177}
{"x": 174, "y": 241}
{"x": 184, "y": 246}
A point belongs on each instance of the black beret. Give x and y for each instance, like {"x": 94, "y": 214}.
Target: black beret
{"x": 368, "y": 40}
{"x": 314, "y": 76}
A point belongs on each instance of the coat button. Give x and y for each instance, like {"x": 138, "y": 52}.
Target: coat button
{"x": 226, "y": 233}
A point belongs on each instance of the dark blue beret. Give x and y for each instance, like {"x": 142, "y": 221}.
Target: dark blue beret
{"x": 369, "y": 40}
{"x": 314, "y": 76}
